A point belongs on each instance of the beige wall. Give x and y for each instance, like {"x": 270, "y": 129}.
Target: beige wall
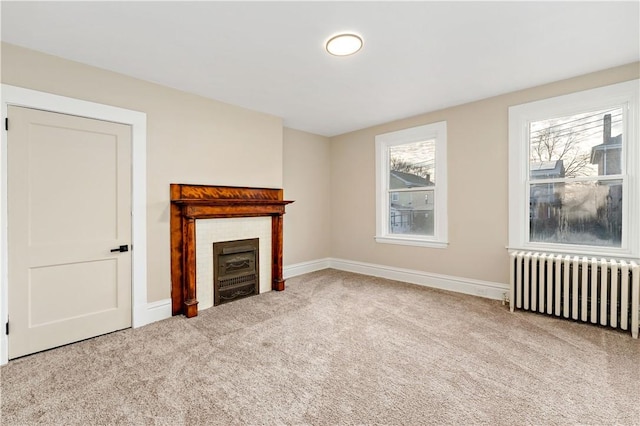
{"x": 307, "y": 181}
{"x": 190, "y": 139}
{"x": 477, "y": 174}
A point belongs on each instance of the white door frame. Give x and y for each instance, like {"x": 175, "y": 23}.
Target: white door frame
{"x": 18, "y": 96}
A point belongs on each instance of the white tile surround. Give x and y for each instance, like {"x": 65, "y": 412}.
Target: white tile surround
{"x": 209, "y": 231}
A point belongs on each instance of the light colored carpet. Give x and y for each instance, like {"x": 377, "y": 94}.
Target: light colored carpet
{"x": 336, "y": 348}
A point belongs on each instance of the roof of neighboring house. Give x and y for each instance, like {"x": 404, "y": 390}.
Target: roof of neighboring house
{"x": 541, "y": 169}
{"x": 410, "y": 180}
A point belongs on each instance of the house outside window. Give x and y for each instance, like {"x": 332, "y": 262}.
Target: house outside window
{"x": 574, "y": 183}
{"x": 411, "y": 200}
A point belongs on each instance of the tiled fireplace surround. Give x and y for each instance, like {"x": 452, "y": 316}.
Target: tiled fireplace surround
{"x": 202, "y": 215}
{"x": 209, "y": 231}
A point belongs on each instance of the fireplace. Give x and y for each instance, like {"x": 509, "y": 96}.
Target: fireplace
{"x": 236, "y": 273}
{"x": 191, "y": 203}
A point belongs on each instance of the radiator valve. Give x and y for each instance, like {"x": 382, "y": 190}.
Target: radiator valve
{"x": 505, "y": 299}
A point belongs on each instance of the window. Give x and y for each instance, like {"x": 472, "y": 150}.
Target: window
{"x": 411, "y": 178}
{"x": 574, "y": 173}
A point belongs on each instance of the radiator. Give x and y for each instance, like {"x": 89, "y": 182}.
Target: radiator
{"x": 598, "y": 291}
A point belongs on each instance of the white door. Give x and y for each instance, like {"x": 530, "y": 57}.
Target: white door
{"x": 69, "y": 207}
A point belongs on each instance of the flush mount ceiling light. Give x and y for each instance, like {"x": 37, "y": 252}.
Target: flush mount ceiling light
{"x": 344, "y": 44}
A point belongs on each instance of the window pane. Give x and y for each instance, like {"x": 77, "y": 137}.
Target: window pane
{"x": 411, "y": 212}
{"x": 586, "y": 213}
{"x": 588, "y": 144}
{"x": 412, "y": 165}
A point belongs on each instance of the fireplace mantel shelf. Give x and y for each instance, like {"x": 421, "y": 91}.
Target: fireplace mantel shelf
{"x": 226, "y": 201}
{"x": 191, "y": 202}
{"x": 229, "y": 207}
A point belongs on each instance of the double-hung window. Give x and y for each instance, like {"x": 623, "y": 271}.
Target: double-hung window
{"x": 574, "y": 183}
{"x": 411, "y": 178}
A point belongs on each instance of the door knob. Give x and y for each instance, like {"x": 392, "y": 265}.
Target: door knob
{"x": 121, "y": 249}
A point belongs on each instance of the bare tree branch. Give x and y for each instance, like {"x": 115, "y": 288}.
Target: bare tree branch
{"x": 399, "y": 165}
{"x": 550, "y": 145}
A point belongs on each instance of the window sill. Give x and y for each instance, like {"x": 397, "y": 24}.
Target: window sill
{"x": 407, "y": 241}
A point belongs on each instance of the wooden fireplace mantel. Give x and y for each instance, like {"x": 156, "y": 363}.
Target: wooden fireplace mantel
{"x": 191, "y": 202}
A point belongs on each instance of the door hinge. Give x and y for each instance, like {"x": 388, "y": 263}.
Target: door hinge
{"x": 6, "y": 123}
{"x": 7, "y": 328}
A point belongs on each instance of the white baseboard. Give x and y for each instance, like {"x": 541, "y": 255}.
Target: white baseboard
{"x": 487, "y": 289}
{"x": 304, "y": 268}
{"x": 152, "y": 312}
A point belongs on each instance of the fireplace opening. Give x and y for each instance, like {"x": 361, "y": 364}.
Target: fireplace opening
{"x": 236, "y": 272}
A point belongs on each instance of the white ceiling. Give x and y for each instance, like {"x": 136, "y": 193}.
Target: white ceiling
{"x": 269, "y": 57}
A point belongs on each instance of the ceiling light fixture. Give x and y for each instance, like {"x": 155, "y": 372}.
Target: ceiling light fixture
{"x": 344, "y": 44}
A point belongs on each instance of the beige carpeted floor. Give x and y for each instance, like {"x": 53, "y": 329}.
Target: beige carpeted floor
{"x": 336, "y": 348}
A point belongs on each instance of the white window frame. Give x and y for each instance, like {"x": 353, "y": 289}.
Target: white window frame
{"x": 437, "y": 131}
{"x": 624, "y": 95}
